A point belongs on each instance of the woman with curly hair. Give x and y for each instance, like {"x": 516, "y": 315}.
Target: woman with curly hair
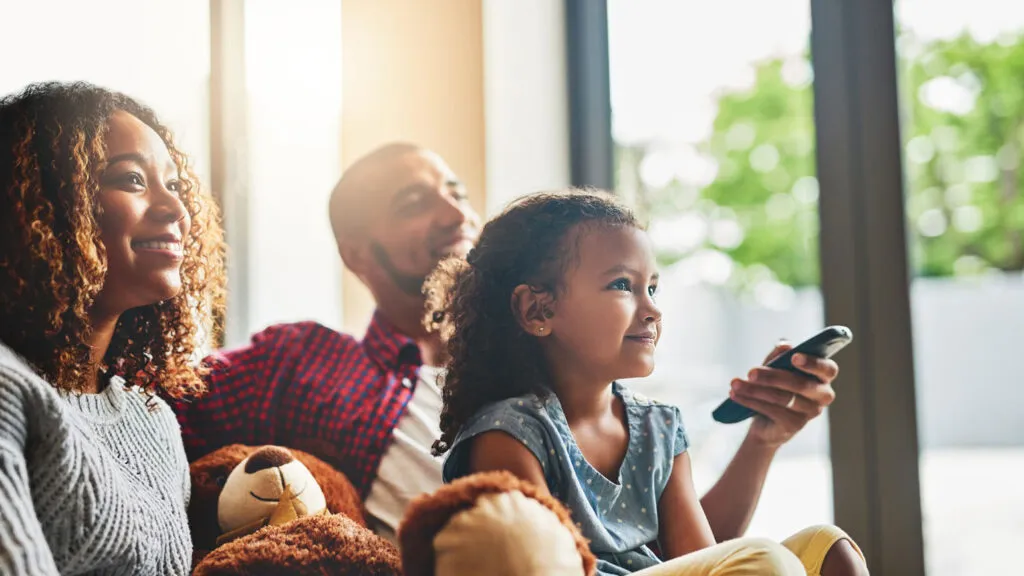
{"x": 110, "y": 276}
{"x": 554, "y": 306}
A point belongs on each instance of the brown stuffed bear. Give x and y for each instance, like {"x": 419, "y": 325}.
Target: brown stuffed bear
{"x": 492, "y": 523}
{"x": 270, "y": 510}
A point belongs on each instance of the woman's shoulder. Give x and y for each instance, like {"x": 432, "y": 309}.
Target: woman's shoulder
{"x": 17, "y": 378}
{"x": 25, "y": 395}
{"x": 12, "y": 365}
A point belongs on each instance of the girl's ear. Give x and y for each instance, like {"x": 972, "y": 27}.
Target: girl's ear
{"x": 533, "y": 309}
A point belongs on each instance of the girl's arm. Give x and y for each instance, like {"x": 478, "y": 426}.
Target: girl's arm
{"x": 496, "y": 450}
{"x": 683, "y": 527}
{"x": 730, "y": 503}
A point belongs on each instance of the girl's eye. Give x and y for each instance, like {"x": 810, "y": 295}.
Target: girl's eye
{"x": 621, "y": 284}
{"x": 174, "y": 186}
{"x": 652, "y": 290}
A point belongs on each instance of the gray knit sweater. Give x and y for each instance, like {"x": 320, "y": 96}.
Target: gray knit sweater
{"x": 94, "y": 483}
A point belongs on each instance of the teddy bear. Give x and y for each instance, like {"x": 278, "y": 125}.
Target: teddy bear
{"x": 492, "y": 523}
{"x": 272, "y": 510}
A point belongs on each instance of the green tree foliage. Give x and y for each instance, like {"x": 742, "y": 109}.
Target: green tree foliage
{"x": 962, "y": 124}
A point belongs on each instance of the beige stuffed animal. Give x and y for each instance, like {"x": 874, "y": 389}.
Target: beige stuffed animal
{"x": 269, "y": 510}
{"x": 269, "y": 488}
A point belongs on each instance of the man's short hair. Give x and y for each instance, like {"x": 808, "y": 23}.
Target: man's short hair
{"x": 344, "y": 208}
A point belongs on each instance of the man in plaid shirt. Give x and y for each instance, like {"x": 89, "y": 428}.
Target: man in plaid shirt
{"x": 371, "y": 407}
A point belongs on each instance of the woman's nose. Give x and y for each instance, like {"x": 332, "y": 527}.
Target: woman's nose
{"x": 168, "y": 206}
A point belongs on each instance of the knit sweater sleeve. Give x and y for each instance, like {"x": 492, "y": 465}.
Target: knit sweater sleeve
{"x": 23, "y": 547}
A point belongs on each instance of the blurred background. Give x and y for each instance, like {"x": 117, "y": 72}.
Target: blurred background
{"x": 704, "y": 117}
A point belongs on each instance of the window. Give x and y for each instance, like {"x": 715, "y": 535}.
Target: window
{"x": 962, "y": 100}
{"x": 293, "y": 76}
{"x": 160, "y": 55}
{"x": 712, "y": 117}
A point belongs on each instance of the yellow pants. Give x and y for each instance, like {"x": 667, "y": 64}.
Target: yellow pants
{"x": 800, "y": 554}
{"x": 510, "y": 534}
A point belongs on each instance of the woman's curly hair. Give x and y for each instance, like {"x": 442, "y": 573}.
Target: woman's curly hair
{"x": 490, "y": 357}
{"x": 53, "y": 264}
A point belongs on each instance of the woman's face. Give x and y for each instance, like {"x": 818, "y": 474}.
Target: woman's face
{"x": 144, "y": 223}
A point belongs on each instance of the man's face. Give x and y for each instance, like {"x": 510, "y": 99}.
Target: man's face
{"x": 419, "y": 215}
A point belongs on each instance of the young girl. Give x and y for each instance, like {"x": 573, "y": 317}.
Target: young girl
{"x": 553, "y": 307}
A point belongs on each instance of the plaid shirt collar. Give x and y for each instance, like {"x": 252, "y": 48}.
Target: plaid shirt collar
{"x": 388, "y": 347}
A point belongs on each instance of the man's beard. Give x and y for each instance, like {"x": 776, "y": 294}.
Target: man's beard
{"x": 411, "y": 284}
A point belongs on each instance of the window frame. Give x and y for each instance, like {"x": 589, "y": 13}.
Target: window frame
{"x": 873, "y": 434}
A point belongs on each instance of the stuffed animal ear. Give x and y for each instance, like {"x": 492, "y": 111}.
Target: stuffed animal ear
{"x": 460, "y": 528}
{"x": 209, "y": 474}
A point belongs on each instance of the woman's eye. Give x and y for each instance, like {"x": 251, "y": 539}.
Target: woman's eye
{"x": 133, "y": 179}
{"x": 174, "y": 186}
{"x": 652, "y": 290}
{"x": 621, "y": 284}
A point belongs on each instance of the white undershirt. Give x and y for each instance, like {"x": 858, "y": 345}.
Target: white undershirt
{"x": 407, "y": 469}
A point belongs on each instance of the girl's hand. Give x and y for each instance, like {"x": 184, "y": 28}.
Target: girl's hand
{"x": 785, "y": 401}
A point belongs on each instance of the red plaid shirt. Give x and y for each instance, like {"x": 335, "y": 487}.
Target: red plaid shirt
{"x": 308, "y": 387}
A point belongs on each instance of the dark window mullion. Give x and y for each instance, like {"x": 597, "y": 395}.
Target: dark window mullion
{"x": 865, "y": 281}
{"x": 590, "y": 110}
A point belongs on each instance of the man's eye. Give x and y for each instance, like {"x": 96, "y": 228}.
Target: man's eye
{"x": 622, "y": 284}
{"x": 409, "y": 210}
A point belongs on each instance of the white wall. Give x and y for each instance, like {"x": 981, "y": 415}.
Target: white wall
{"x": 525, "y": 99}
{"x": 293, "y": 54}
{"x": 967, "y": 342}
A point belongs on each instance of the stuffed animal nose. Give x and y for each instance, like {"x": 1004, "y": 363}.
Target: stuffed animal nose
{"x": 267, "y": 457}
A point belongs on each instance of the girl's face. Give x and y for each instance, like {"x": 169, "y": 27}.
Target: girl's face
{"x": 144, "y": 223}
{"x": 605, "y": 320}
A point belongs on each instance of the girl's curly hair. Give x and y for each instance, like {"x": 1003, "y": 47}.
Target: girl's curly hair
{"x": 490, "y": 358}
{"x": 53, "y": 264}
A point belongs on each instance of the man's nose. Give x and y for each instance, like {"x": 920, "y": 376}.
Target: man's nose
{"x": 456, "y": 212}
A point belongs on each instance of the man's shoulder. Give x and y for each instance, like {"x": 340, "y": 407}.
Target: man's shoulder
{"x": 303, "y": 332}
{"x": 294, "y": 343}
{"x": 305, "y": 336}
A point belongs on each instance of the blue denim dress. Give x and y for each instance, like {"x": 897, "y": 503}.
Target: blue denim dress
{"x": 619, "y": 518}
